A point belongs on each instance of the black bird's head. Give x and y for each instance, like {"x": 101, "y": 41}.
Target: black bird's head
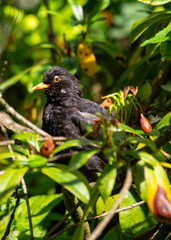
{"x": 59, "y": 83}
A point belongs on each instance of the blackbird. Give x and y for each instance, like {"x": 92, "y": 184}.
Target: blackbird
{"x": 65, "y": 109}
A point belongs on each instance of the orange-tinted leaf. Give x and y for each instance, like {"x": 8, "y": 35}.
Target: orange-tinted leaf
{"x": 132, "y": 89}
{"x": 106, "y": 103}
{"x": 126, "y": 91}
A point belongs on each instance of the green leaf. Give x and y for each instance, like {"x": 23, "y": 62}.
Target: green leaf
{"x": 145, "y": 92}
{"x": 151, "y": 49}
{"x": 36, "y": 161}
{"x": 155, "y": 176}
{"x": 147, "y": 158}
{"x": 129, "y": 129}
{"x": 78, "y": 160}
{"x": 162, "y": 36}
{"x": 137, "y": 140}
{"x": 136, "y": 67}
{"x": 70, "y": 181}
{"x": 114, "y": 233}
{"x": 6, "y": 155}
{"x": 133, "y": 221}
{"x": 33, "y": 161}
{"x": 141, "y": 25}
{"x": 3, "y": 224}
{"x": 79, "y": 233}
{"x": 165, "y": 50}
{"x": 31, "y": 138}
{"x": 9, "y": 180}
{"x": 138, "y": 172}
{"x": 71, "y": 143}
{"x": 166, "y": 87}
{"x": 93, "y": 9}
{"x": 77, "y": 9}
{"x": 155, "y": 2}
{"x": 102, "y": 206}
{"x": 107, "y": 180}
{"x": 108, "y": 47}
{"x": 164, "y": 122}
{"x": 40, "y": 206}
{"x": 13, "y": 80}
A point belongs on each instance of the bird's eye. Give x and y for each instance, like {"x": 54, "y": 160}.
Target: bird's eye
{"x": 56, "y": 79}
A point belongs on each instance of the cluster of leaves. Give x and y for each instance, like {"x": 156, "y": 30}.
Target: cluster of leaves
{"x": 89, "y": 44}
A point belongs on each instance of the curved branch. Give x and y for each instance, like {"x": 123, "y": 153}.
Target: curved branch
{"x": 11, "y": 110}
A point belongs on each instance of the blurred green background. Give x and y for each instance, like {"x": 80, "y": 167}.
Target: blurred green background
{"x": 36, "y": 35}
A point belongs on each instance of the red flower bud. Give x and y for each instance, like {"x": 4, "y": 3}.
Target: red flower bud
{"x": 145, "y": 125}
{"x": 47, "y": 147}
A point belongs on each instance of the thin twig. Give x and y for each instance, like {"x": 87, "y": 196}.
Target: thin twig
{"x": 12, "y": 216}
{"x": 11, "y": 125}
{"x": 24, "y": 187}
{"x": 61, "y": 221}
{"x": 101, "y": 226}
{"x": 57, "y": 139}
{"x": 11, "y": 110}
{"x": 7, "y": 142}
{"x": 63, "y": 230}
{"x": 4, "y": 131}
{"x": 62, "y": 156}
{"x": 117, "y": 211}
{"x": 98, "y": 216}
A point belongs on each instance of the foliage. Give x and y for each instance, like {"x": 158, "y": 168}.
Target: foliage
{"x": 128, "y": 62}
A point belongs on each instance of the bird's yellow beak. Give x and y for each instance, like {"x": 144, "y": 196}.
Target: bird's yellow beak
{"x": 41, "y": 86}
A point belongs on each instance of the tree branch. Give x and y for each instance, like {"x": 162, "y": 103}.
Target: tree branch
{"x": 62, "y": 156}
{"x": 11, "y": 110}
{"x": 10, "y": 124}
{"x": 6, "y": 143}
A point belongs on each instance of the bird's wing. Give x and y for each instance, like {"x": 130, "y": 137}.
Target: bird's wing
{"x": 93, "y": 108}
{"x": 78, "y": 118}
